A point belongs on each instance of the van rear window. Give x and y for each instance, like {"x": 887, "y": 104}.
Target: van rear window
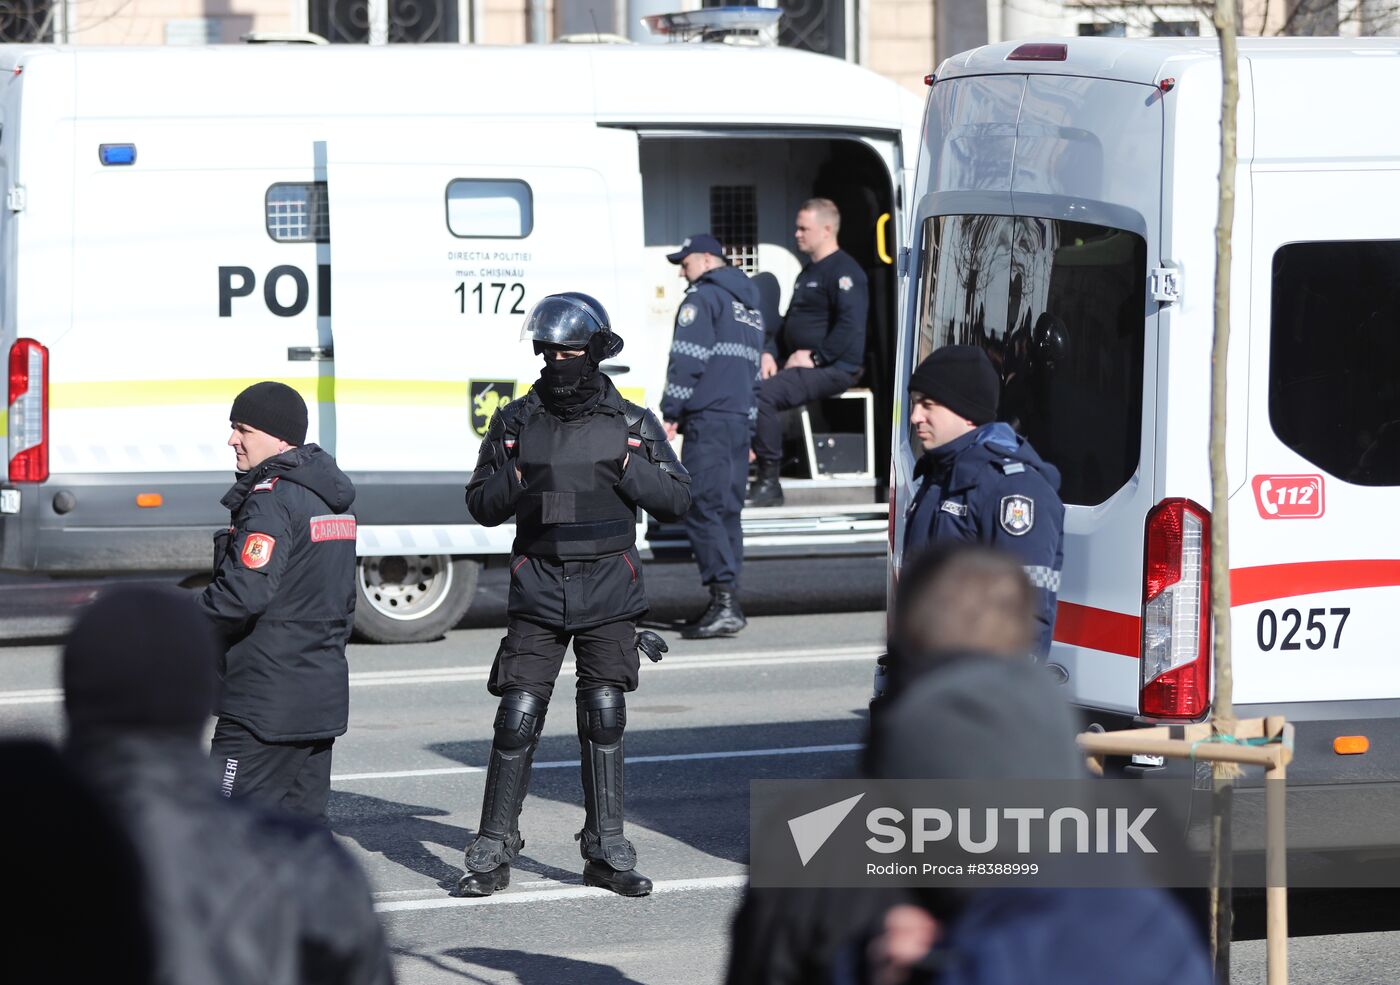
{"x": 298, "y": 212}
{"x": 1334, "y": 389}
{"x": 1061, "y": 309}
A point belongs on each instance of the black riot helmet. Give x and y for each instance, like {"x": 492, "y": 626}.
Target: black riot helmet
{"x": 571, "y": 321}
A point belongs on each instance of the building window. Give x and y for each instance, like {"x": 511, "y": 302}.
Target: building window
{"x": 1176, "y": 29}
{"x": 490, "y": 208}
{"x": 299, "y": 212}
{"x": 734, "y": 222}
{"x": 1110, "y": 29}
{"x": 407, "y": 21}
{"x": 1334, "y": 394}
{"x": 27, "y": 21}
{"x": 1059, "y": 307}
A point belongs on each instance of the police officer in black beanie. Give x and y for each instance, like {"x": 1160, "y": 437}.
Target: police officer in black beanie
{"x": 235, "y": 893}
{"x": 283, "y": 596}
{"x": 571, "y": 462}
{"x": 980, "y": 482}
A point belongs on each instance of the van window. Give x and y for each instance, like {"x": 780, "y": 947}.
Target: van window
{"x": 490, "y": 208}
{"x": 734, "y": 222}
{"x": 298, "y": 212}
{"x": 1334, "y": 393}
{"x": 1060, "y": 308}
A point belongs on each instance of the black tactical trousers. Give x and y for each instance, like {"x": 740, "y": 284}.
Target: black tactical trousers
{"x": 293, "y": 776}
{"x": 531, "y": 656}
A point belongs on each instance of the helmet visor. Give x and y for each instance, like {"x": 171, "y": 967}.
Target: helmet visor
{"x": 559, "y": 321}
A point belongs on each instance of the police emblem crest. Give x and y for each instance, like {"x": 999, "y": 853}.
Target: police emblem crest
{"x": 687, "y": 315}
{"x": 845, "y": 283}
{"x": 1017, "y": 515}
{"x": 487, "y": 397}
{"x": 257, "y": 550}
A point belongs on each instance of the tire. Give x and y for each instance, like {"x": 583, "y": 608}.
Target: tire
{"x": 411, "y": 598}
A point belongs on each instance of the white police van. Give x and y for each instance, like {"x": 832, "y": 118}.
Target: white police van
{"x": 370, "y": 226}
{"x": 1063, "y": 218}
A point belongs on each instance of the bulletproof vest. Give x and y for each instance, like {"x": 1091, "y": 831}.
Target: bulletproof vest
{"x": 571, "y": 509}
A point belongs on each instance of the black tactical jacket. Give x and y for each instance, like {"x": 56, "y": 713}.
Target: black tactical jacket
{"x": 236, "y": 894}
{"x": 572, "y": 593}
{"x": 284, "y": 596}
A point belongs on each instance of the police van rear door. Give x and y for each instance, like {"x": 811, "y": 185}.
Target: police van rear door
{"x": 441, "y": 242}
{"x": 1038, "y": 210}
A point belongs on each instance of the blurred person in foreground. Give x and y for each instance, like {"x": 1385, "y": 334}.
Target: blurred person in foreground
{"x": 236, "y": 893}
{"x": 967, "y": 702}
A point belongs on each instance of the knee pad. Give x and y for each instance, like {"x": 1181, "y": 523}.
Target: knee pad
{"x": 602, "y": 714}
{"x": 519, "y": 719}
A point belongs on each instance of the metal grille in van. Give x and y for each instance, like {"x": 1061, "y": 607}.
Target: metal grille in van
{"x": 734, "y": 222}
{"x": 299, "y": 212}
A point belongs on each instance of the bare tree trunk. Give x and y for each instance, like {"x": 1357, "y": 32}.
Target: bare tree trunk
{"x": 1223, "y": 710}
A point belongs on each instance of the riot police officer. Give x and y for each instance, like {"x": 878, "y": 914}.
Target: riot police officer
{"x": 709, "y": 398}
{"x": 979, "y": 480}
{"x": 571, "y": 462}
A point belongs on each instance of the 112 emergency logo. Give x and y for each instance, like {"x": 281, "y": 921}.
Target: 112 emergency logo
{"x": 487, "y": 397}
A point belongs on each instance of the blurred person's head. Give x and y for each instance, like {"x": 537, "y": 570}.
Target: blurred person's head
{"x": 268, "y": 418}
{"x": 959, "y": 599}
{"x": 698, "y": 255}
{"x": 141, "y": 658}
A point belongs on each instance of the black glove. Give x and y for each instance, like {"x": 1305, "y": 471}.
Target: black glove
{"x": 652, "y": 645}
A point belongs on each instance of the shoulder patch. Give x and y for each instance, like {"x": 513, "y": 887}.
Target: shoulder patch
{"x": 333, "y": 526}
{"x": 1017, "y": 514}
{"x": 257, "y": 550}
{"x": 266, "y": 485}
{"x": 686, "y": 316}
{"x": 845, "y": 283}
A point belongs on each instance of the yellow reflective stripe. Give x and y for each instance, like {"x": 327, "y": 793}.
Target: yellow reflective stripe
{"x": 328, "y": 389}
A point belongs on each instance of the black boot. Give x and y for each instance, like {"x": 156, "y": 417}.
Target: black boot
{"x": 609, "y": 859}
{"x": 519, "y": 721}
{"x": 722, "y": 618}
{"x": 765, "y": 490}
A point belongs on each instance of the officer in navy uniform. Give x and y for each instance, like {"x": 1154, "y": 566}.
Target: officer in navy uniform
{"x": 821, "y": 343}
{"x": 709, "y": 398}
{"x": 980, "y": 481}
{"x": 571, "y": 462}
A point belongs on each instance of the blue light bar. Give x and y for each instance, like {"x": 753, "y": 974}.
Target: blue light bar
{"x": 110, "y": 154}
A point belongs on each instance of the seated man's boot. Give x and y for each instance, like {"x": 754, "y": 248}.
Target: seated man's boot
{"x": 765, "y": 490}
{"x": 610, "y": 861}
{"x": 722, "y": 618}
{"x": 519, "y": 721}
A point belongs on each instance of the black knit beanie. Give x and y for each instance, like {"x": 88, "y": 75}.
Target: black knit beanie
{"x": 141, "y": 658}
{"x": 272, "y": 407}
{"x": 961, "y": 378}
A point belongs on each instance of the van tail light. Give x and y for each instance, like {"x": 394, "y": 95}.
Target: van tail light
{"x": 29, "y": 412}
{"x": 1176, "y": 612}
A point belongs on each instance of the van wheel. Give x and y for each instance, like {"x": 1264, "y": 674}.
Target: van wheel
{"x": 411, "y": 598}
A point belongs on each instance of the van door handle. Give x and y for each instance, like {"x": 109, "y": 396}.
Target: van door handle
{"x": 310, "y": 353}
{"x": 615, "y": 369}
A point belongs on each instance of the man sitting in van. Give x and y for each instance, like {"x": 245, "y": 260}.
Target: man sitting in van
{"x": 980, "y": 482}
{"x": 821, "y": 342}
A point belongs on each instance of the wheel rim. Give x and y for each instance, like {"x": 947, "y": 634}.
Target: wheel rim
{"x": 406, "y": 586}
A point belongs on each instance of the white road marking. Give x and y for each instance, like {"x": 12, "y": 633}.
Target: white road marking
{"x": 560, "y": 764}
{"x": 451, "y": 675}
{"x": 563, "y": 892}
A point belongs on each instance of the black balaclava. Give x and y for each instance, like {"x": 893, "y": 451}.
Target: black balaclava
{"x": 570, "y": 386}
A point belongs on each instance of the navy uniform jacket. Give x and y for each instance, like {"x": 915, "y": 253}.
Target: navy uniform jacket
{"x": 827, "y": 313}
{"x": 990, "y": 487}
{"x": 716, "y": 349}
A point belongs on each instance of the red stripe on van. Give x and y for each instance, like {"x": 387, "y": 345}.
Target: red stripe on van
{"x": 1278, "y": 581}
{"x": 1098, "y": 629}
